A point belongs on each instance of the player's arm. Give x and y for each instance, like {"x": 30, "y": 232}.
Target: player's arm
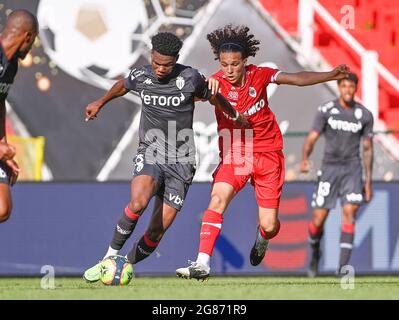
{"x": 223, "y": 105}
{"x": 307, "y": 78}
{"x": 368, "y": 155}
{"x": 117, "y": 90}
{"x": 7, "y": 151}
{"x": 307, "y": 149}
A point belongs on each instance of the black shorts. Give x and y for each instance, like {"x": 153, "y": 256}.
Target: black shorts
{"x": 338, "y": 180}
{"x": 5, "y": 173}
{"x": 174, "y": 180}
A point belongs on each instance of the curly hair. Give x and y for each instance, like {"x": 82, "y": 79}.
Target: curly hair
{"x": 166, "y": 43}
{"x": 232, "y": 39}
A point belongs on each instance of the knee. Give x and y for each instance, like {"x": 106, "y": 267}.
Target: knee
{"x": 270, "y": 227}
{"x": 5, "y": 213}
{"x": 218, "y": 203}
{"x": 137, "y": 206}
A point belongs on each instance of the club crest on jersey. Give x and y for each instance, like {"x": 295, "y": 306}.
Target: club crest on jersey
{"x": 252, "y": 92}
{"x": 358, "y": 113}
{"x": 232, "y": 95}
{"x": 180, "y": 82}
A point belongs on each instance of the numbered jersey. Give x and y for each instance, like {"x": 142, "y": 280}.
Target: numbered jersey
{"x": 251, "y": 100}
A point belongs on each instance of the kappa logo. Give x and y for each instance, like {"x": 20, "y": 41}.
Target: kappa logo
{"x": 148, "y": 81}
{"x": 334, "y": 111}
{"x": 180, "y": 82}
{"x": 135, "y": 73}
{"x": 4, "y": 87}
{"x": 122, "y": 231}
{"x": 3, "y": 173}
{"x": 176, "y": 199}
{"x": 252, "y": 92}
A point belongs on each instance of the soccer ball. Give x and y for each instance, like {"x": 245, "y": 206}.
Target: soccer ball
{"x": 116, "y": 271}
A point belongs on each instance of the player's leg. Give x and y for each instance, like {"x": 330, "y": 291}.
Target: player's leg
{"x": 142, "y": 189}
{"x": 324, "y": 199}
{"x": 5, "y": 193}
{"x": 347, "y": 233}
{"x": 268, "y": 180}
{"x": 146, "y": 181}
{"x": 268, "y": 228}
{"x": 315, "y": 230}
{"x": 226, "y": 185}
{"x": 177, "y": 181}
{"x": 351, "y": 198}
{"x": 5, "y": 202}
{"x": 162, "y": 218}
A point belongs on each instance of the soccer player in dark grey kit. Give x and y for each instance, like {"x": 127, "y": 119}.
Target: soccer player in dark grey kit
{"x": 345, "y": 124}
{"x": 16, "y": 40}
{"x": 165, "y": 162}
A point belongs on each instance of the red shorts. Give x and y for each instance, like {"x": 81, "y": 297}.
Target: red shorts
{"x": 266, "y": 171}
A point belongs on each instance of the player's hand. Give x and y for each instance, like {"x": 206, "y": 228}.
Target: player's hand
{"x": 7, "y": 151}
{"x": 368, "y": 192}
{"x": 213, "y": 85}
{"x": 340, "y": 72}
{"x": 304, "y": 166}
{"x": 242, "y": 121}
{"x": 92, "y": 110}
{"x": 14, "y": 171}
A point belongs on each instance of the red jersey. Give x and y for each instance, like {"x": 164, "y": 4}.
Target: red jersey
{"x": 251, "y": 100}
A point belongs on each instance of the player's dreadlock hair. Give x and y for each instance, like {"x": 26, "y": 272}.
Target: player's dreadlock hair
{"x": 232, "y": 39}
{"x": 166, "y": 43}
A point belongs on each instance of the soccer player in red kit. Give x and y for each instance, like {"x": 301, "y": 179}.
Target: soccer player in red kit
{"x": 254, "y": 153}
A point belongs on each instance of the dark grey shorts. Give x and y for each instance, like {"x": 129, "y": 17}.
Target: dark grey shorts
{"x": 174, "y": 180}
{"x": 4, "y": 173}
{"x": 338, "y": 180}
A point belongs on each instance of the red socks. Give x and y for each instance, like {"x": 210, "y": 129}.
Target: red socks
{"x": 210, "y": 230}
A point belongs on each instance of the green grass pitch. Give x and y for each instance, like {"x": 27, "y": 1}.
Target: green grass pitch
{"x": 240, "y": 288}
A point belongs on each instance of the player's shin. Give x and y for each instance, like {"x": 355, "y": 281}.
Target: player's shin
{"x": 315, "y": 235}
{"x": 210, "y": 230}
{"x": 142, "y": 249}
{"x": 346, "y": 243}
{"x": 123, "y": 230}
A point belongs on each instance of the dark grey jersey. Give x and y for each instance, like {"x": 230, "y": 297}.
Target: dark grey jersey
{"x": 165, "y": 132}
{"x": 8, "y": 70}
{"x": 343, "y": 130}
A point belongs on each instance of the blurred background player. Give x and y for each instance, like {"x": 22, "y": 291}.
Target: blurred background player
{"x": 16, "y": 40}
{"x": 165, "y": 162}
{"x": 244, "y": 86}
{"x": 345, "y": 123}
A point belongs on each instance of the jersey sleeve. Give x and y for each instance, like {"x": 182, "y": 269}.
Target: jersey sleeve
{"x": 269, "y": 75}
{"x": 319, "y": 122}
{"x": 201, "y": 86}
{"x": 130, "y": 82}
{"x": 368, "y": 127}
